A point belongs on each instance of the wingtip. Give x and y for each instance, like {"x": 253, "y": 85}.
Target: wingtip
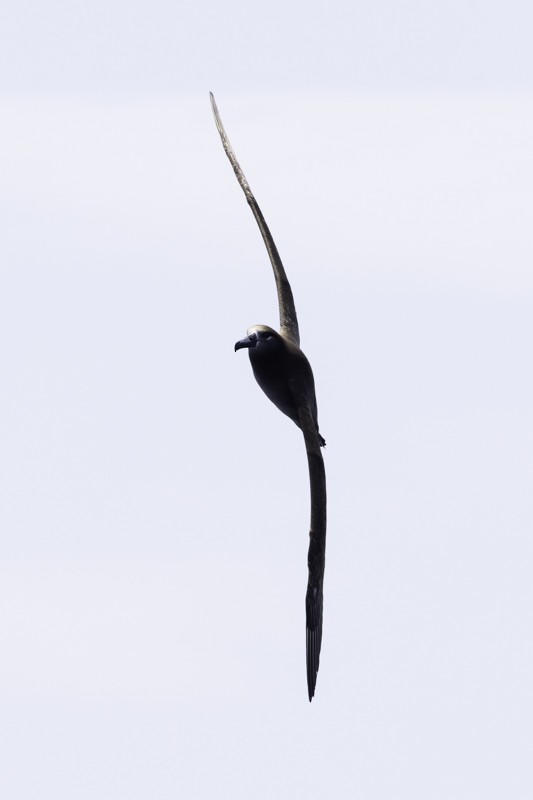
{"x": 313, "y": 640}
{"x": 311, "y": 686}
{"x": 313, "y": 644}
{"x": 214, "y": 108}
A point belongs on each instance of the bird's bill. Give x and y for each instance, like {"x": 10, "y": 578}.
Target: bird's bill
{"x": 248, "y": 341}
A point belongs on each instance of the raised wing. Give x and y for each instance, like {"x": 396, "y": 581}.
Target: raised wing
{"x": 316, "y": 559}
{"x": 287, "y": 312}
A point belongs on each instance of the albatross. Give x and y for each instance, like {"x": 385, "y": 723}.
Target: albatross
{"x": 285, "y": 375}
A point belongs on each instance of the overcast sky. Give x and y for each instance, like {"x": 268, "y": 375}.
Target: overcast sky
{"x": 154, "y": 506}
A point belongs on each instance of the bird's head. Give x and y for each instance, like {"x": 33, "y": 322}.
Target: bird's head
{"x": 261, "y": 338}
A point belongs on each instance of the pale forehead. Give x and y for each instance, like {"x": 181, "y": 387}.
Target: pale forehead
{"x": 260, "y": 329}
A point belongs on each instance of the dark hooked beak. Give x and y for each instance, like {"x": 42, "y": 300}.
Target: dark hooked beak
{"x": 249, "y": 341}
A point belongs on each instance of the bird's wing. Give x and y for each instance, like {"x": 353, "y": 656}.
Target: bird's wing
{"x": 314, "y": 599}
{"x": 287, "y": 311}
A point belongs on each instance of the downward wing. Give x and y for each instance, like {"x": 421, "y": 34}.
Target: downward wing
{"x": 316, "y": 559}
{"x": 287, "y": 312}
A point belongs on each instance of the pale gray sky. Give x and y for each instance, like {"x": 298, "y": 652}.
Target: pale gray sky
{"x": 133, "y": 46}
{"x": 152, "y": 577}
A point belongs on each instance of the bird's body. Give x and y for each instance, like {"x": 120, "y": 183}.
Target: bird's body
{"x": 282, "y": 371}
{"x": 285, "y": 375}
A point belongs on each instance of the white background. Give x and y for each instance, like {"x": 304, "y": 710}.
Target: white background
{"x": 154, "y": 505}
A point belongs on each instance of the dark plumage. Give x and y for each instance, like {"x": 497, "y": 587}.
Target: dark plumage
{"x": 285, "y": 375}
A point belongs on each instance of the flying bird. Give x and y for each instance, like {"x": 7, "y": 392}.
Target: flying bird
{"x": 285, "y": 375}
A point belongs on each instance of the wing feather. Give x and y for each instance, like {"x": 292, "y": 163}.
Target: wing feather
{"x": 287, "y": 310}
{"x": 316, "y": 559}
